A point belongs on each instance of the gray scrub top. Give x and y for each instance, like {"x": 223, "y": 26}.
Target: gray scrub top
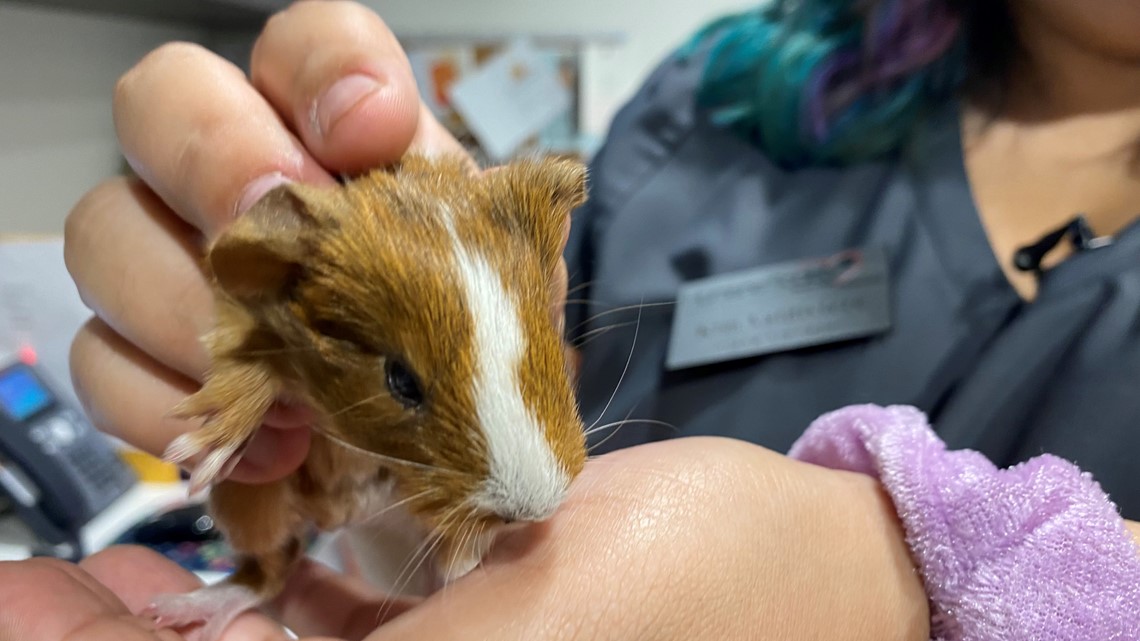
{"x": 674, "y": 198}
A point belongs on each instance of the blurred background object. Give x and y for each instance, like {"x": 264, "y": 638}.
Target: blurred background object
{"x": 59, "y": 60}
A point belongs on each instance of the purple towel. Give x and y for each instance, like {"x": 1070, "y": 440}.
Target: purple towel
{"x": 1034, "y": 552}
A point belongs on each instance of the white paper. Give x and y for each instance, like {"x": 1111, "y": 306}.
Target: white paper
{"x": 40, "y": 306}
{"x": 435, "y": 71}
{"x": 510, "y": 99}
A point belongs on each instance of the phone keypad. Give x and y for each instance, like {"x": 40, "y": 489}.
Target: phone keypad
{"x": 102, "y": 474}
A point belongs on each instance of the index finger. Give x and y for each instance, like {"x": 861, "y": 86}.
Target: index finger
{"x": 339, "y": 78}
{"x": 336, "y": 74}
{"x": 203, "y": 138}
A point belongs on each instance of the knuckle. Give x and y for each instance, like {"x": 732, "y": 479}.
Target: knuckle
{"x": 88, "y": 209}
{"x": 300, "y": 14}
{"x": 272, "y": 27}
{"x": 77, "y": 362}
{"x": 85, "y": 233}
{"x": 199, "y": 158}
{"x": 78, "y": 227}
{"x": 124, "y": 555}
{"x": 86, "y": 374}
{"x": 157, "y": 62}
{"x": 341, "y": 10}
{"x": 173, "y": 54}
{"x": 36, "y": 571}
{"x": 304, "y": 20}
{"x": 75, "y": 226}
{"x": 174, "y": 68}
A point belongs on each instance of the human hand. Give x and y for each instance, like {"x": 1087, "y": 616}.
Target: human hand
{"x": 96, "y": 600}
{"x": 689, "y": 539}
{"x": 207, "y": 142}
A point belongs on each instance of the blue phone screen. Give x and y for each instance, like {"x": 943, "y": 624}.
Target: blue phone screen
{"x": 21, "y": 395}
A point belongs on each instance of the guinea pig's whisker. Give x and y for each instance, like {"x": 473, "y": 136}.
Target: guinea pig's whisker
{"x": 624, "y": 308}
{"x": 624, "y": 370}
{"x": 408, "y": 571}
{"x": 425, "y": 550}
{"x": 597, "y": 332}
{"x": 400, "y": 503}
{"x": 594, "y": 428}
{"x": 578, "y": 301}
{"x": 465, "y": 533}
{"x": 352, "y": 406}
{"x": 470, "y": 545}
{"x": 384, "y": 457}
{"x": 611, "y": 434}
{"x": 579, "y": 287}
{"x": 647, "y": 421}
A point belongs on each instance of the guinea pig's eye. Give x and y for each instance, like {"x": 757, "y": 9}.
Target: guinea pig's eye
{"x": 403, "y": 384}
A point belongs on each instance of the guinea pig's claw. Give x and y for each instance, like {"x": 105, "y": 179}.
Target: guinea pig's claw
{"x": 216, "y": 466}
{"x": 182, "y": 448}
{"x": 218, "y": 463}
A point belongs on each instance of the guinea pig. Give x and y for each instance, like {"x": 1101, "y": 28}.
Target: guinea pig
{"x": 412, "y": 309}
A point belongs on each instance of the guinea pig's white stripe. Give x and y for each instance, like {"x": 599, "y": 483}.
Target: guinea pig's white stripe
{"x": 526, "y": 481}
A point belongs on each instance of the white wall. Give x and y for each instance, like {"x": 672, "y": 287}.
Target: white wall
{"x": 57, "y": 139}
{"x": 57, "y": 73}
{"x": 651, "y": 28}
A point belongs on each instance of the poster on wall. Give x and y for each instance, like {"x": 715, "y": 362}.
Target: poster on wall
{"x": 436, "y": 69}
{"x": 502, "y": 98}
{"x": 511, "y": 99}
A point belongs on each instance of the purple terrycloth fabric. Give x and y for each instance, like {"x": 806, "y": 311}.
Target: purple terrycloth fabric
{"x": 1036, "y": 552}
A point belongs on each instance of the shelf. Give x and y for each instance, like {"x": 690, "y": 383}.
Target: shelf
{"x": 209, "y": 14}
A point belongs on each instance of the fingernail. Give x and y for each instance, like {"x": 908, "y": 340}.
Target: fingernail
{"x": 339, "y": 99}
{"x": 257, "y": 188}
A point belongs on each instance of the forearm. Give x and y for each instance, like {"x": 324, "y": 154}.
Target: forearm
{"x": 1043, "y": 526}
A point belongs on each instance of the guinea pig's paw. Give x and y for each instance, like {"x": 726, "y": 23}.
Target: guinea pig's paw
{"x": 229, "y": 421}
{"x": 219, "y": 460}
{"x": 184, "y": 447}
{"x": 221, "y": 440}
{"x": 204, "y": 614}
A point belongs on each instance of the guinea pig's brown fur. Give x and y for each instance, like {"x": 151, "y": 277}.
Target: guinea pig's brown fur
{"x": 414, "y": 310}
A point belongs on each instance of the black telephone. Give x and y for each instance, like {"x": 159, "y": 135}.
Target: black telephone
{"x": 55, "y": 468}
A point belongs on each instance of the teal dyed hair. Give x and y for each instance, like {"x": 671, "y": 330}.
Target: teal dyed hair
{"x": 824, "y": 82}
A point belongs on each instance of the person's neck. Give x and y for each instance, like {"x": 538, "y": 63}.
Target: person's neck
{"x": 1065, "y": 139}
{"x": 1055, "y": 77}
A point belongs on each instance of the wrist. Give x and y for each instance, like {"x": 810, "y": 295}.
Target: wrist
{"x": 852, "y": 564}
{"x": 891, "y": 576}
{"x": 995, "y": 547}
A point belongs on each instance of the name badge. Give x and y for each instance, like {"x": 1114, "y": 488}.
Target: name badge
{"x": 780, "y": 307}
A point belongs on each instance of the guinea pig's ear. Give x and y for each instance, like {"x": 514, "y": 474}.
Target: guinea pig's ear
{"x": 538, "y": 195}
{"x": 260, "y": 256}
